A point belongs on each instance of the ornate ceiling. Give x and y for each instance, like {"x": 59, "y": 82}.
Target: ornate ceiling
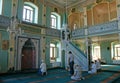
{"x": 68, "y": 3}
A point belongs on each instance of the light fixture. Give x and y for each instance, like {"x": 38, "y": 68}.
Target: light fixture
{"x": 65, "y": 25}
{"x": 65, "y": 30}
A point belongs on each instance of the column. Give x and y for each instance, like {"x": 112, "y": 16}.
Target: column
{"x": 44, "y": 47}
{"x": 11, "y": 52}
{"x": 88, "y": 49}
{"x": 44, "y": 14}
{"x": 64, "y": 43}
{"x": 92, "y": 16}
{"x": 118, "y": 12}
{"x": 85, "y": 16}
{"x": 118, "y": 15}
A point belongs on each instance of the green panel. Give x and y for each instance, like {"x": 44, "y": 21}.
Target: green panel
{"x": 3, "y": 53}
{"x": 47, "y": 50}
{"x": 5, "y": 35}
{"x": 106, "y": 52}
{"x": 40, "y": 8}
{"x": 48, "y": 13}
{"x": 63, "y": 58}
{"x": 7, "y": 8}
{"x": 20, "y": 9}
{"x": 64, "y": 19}
{"x": 3, "y": 61}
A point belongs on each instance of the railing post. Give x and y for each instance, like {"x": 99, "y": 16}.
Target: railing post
{"x": 88, "y": 48}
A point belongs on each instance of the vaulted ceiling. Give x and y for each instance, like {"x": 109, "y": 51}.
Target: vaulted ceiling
{"x": 68, "y": 3}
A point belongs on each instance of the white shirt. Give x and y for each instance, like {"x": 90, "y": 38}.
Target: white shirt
{"x": 93, "y": 68}
{"x": 77, "y": 73}
{"x": 71, "y": 57}
{"x": 98, "y": 65}
{"x": 43, "y": 67}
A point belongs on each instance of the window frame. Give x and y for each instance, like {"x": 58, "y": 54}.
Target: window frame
{"x": 53, "y": 52}
{"x": 96, "y": 52}
{"x": 30, "y": 10}
{"x": 1, "y": 1}
{"x": 117, "y": 51}
{"x": 53, "y": 21}
{"x": 58, "y": 20}
{"x": 35, "y": 11}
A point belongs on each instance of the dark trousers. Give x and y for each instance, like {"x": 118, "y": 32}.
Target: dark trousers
{"x": 71, "y": 64}
{"x": 40, "y": 73}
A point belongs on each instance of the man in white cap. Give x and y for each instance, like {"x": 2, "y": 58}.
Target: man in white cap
{"x": 93, "y": 69}
{"x": 43, "y": 68}
{"x": 77, "y": 73}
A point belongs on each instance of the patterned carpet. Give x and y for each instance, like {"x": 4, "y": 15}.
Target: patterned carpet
{"x": 109, "y": 74}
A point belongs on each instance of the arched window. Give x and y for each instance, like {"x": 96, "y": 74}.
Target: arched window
{"x": 30, "y": 12}
{"x": 0, "y": 7}
{"x": 55, "y": 20}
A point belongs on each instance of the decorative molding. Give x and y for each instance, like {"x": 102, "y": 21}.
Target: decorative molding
{"x": 53, "y": 32}
{"x": 73, "y": 10}
{"x": 43, "y": 31}
{"x": 98, "y": 1}
{"x": 33, "y": 1}
{"x": 90, "y": 6}
{"x": 31, "y": 30}
{"x": 78, "y": 32}
{"x": 106, "y": 28}
{"x": 56, "y": 10}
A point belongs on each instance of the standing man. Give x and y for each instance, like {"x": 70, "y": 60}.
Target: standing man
{"x": 71, "y": 62}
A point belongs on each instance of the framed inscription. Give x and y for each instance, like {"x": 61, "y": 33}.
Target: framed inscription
{"x": 5, "y": 44}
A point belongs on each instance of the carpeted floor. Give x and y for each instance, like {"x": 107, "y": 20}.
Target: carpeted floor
{"x": 109, "y": 74}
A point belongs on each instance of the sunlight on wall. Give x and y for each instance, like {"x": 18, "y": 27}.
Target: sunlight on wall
{"x": 96, "y": 53}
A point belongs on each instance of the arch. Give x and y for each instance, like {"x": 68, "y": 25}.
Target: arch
{"x": 28, "y": 55}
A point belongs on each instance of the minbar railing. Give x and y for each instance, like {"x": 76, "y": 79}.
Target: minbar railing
{"x": 101, "y": 29}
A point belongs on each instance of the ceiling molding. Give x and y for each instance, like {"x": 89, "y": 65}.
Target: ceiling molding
{"x": 72, "y": 3}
